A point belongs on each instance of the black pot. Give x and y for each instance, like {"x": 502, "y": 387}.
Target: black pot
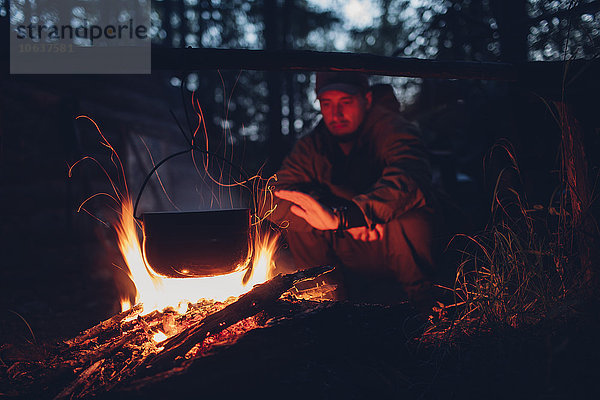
{"x": 196, "y": 244}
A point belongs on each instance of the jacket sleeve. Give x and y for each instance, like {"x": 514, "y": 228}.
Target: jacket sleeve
{"x": 296, "y": 173}
{"x": 405, "y": 181}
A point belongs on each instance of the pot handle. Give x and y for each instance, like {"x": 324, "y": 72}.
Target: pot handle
{"x": 192, "y": 148}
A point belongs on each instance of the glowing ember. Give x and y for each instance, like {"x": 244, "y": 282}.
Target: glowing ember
{"x": 159, "y": 337}
{"x": 157, "y": 292}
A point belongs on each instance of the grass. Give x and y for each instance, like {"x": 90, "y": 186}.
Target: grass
{"x": 523, "y": 268}
{"x": 523, "y": 318}
{"x": 28, "y": 326}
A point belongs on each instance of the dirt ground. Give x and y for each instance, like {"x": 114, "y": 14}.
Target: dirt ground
{"x": 342, "y": 350}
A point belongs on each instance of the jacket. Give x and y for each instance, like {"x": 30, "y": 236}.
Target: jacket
{"x": 386, "y": 174}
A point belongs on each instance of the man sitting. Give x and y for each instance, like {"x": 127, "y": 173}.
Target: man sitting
{"x": 356, "y": 192}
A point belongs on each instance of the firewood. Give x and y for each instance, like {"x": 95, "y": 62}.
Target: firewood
{"x": 114, "y": 352}
{"x": 111, "y": 347}
{"x": 108, "y": 324}
{"x": 69, "y": 390}
{"x": 247, "y": 305}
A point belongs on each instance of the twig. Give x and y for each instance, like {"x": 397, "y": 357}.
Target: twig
{"x": 26, "y": 323}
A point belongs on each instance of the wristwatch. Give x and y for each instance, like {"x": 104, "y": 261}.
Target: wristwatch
{"x": 341, "y": 213}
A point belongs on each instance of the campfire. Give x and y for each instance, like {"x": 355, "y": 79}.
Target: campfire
{"x": 171, "y": 321}
{"x": 136, "y": 347}
{"x": 155, "y": 292}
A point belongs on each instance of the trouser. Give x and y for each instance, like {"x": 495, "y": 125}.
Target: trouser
{"x": 398, "y": 266}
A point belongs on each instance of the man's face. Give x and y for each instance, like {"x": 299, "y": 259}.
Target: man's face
{"x": 342, "y": 112}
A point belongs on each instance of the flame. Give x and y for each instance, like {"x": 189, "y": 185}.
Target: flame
{"x": 157, "y": 292}
{"x": 125, "y": 304}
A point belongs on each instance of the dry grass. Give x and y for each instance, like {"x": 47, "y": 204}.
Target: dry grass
{"x": 521, "y": 269}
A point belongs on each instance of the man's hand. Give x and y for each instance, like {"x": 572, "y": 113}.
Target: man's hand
{"x": 365, "y": 234}
{"x": 313, "y": 212}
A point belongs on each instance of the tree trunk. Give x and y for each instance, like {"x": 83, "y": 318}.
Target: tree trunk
{"x": 272, "y": 42}
{"x": 288, "y": 44}
{"x": 511, "y": 16}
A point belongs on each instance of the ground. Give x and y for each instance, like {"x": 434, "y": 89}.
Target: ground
{"x": 337, "y": 350}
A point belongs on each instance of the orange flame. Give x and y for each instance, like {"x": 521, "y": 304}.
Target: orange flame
{"x": 157, "y": 292}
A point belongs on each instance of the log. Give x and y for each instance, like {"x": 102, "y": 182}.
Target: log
{"x": 249, "y": 304}
{"x": 109, "y": 354}
{"x": 542, "y": 77}
{"x": 69, "y": 391}
{"x": 103, "y": 326}
{"x": 305, "y": 60}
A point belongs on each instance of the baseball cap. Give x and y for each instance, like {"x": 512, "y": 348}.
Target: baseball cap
{"x": 345, "y": 81}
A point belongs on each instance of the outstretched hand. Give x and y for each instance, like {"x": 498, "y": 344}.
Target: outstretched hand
{"x": 314, "y": 213}
{"x": 320, "y": 217}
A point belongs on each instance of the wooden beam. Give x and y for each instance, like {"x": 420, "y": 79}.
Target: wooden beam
{"x": 543, "y": 77}
{"x": 302, "y": 60}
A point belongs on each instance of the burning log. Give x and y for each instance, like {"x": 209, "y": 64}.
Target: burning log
{"x": 247, "y": 305}
{"x": 109, "y": 324}
{"x": 125, "y": 346}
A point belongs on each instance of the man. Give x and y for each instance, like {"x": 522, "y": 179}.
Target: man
{"x": 355, "y": 193}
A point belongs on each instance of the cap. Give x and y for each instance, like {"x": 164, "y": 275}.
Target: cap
{"x": 345, "y": 81}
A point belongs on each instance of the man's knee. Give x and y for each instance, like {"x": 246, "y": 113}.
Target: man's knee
{"x": 412, "y": 252}
{"x": 310, "y": 248}
{"x": 413, "y": 232}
